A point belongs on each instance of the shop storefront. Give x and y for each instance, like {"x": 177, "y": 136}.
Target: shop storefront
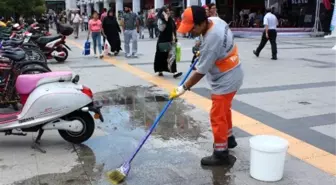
{"x": 291, "y": 13}
{"x": 297, "y": 13}
{"x": 56, "y": 5}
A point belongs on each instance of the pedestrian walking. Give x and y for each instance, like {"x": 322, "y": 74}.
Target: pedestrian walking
{"x": 86, "y": 21}
{"x": 102, "y": 17}
{"x": 76, "y": 22}
{"x": 131, "y": 29}
{"x": 270, "y": 33}
{"x": 219, "y": 61}
{"x": 212, "y": 10}
{"x": 95, "y": 29}
{"x": 165, "y": 55}
{"x": 141, "y": 25}
{"x": 111, "y": 30}
{"x": 151, "y": 23}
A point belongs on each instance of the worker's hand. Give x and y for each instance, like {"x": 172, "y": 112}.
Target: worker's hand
{"x": 178, "y": 91}
{"x": 198, "y": 53}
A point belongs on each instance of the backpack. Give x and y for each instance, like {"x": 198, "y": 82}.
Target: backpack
{"x": 150, "y": 19}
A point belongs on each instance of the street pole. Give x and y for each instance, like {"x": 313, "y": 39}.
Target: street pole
{"x": 233, "y": 10}
{"x": 317, "y": 17}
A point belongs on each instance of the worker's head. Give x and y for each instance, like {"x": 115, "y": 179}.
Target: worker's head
{"x": 194, "y": 20}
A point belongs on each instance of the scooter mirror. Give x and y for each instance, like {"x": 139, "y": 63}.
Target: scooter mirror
{"x": 76, "y": 79}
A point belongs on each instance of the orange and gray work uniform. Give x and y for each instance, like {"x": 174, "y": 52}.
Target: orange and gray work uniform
{"x": 219, "y": 61}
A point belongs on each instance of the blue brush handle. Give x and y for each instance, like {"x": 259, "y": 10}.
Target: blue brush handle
{"x": 161, "y": 114}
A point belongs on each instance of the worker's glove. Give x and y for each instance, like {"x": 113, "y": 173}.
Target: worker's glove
{"x": 178, "y": 91}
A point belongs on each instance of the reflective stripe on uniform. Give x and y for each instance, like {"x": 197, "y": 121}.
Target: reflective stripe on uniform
{"x": 229, "y": 62}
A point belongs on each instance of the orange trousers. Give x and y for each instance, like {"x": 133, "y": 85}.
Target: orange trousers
{"x": 221, "y": 120}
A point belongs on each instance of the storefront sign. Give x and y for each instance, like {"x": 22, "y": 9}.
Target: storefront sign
{"x": 299, "y": 1}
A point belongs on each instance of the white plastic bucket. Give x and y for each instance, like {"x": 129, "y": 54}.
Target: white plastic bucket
{"x": 267, "y": 159}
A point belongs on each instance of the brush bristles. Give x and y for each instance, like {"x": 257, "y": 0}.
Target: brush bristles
{"x": 115, "y": 177}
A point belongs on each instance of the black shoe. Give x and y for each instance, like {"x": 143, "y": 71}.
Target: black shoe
{"x": 177, "y": 75}
{"x": 255, "y": 53}
{"x": 232, "y": 142}
{"x": 216, "y": 159}
{"x": 160, "y": 74}
{"x": 274, "y": 58}
{"x": 220, "y": 170}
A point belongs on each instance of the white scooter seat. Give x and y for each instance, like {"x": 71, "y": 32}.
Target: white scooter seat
{"x": 25, "y": 84}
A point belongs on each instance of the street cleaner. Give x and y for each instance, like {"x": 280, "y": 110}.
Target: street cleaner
{"x": 219, "y": 62}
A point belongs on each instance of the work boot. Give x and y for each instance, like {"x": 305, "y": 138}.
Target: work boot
{"x": 216, "y": 159}
{"x": 232, "y": 142}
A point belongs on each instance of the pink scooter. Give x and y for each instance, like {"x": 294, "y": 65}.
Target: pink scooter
{"x": 52, "y": 101}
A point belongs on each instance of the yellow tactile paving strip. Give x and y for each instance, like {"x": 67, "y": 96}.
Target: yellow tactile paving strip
{"x": 298, "y": 148}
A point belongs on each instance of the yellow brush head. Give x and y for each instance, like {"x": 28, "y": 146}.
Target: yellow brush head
{"x": 115, "y": 177}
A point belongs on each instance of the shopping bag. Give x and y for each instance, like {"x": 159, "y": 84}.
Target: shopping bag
{"x": 107, "y": 47}
{"x": 171, "y": 57}
{"x": 87, "y": 48}
{"x": 165, "y": 46}
{"x": 178, "y": 52}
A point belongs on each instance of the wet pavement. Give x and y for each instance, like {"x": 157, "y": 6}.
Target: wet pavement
{"x": 172, "y": 154}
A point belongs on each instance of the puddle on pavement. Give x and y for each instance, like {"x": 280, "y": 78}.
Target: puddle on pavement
{"x": 129, "y": 108}
{"x": 128, "y": 113}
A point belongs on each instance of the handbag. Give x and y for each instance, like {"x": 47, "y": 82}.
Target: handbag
{"x": 87, "y": 48}
{"x": 165, "y": 46}
{"x": 107, "y": 47}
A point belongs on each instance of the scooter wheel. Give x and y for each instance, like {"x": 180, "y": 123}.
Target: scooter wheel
{"x": 58, "y": 59}
{"x": 88, "y": 127}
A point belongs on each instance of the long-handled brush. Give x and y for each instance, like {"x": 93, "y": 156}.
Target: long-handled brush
{"x": 119, "y": 175}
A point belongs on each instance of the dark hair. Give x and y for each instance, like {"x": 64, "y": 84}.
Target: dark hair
{"x": 110, "y": 10}
{"x": 211, "y": 5}
{"x": 104, "y": 9}
{"x": 268, "y": 10}
{"x": 95, "y": 12}
{"x": 161, "y": 10}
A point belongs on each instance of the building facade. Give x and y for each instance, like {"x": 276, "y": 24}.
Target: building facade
{"x": 137, "y": 5}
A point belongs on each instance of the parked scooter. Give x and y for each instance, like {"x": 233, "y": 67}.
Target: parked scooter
{"x": 52, "y": 101}
{"x": 13, "y": 64}
{"x": 54, "y": 46}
